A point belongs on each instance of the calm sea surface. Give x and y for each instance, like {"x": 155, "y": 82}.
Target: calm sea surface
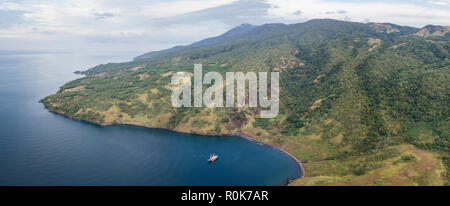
{"x": 41, "y": 148}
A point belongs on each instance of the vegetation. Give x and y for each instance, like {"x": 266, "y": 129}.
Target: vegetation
{"x": 355, "y": 98}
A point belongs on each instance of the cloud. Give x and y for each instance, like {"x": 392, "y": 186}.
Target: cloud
{"x": 412, "y": 13}
{"x": 173, "y": 8}
{"x": 235, "y": 13}
{"x": 141, "y": 26}
{"x": 336, "y": 12}
{"x": 440, "y": 3}
{"x": 11, "y": 17}
{"x": 103, "y": 15}
{"x": 298, "y": 12}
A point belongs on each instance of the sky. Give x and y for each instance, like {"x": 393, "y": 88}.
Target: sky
{"x": 116, "y": 27}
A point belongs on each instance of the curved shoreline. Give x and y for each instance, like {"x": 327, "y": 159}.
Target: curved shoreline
{"x": 297, "y": 161}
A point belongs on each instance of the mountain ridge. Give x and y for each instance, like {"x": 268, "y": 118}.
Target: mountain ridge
{"x": 360, "y": 104}
{"x": 247, "y": 27}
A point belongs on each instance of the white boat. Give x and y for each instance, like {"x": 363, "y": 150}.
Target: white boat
{"x": 212, "y": 158}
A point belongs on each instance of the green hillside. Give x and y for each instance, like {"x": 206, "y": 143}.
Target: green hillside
{"x": 360, "y": 104}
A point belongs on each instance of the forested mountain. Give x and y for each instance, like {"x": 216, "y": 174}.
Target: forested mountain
{"x": 360, "y": 104}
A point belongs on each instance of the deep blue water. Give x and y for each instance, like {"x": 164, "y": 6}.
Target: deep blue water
{"x": 41, "y": 148}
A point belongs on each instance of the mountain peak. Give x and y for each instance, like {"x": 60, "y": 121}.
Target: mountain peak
{"x": 433, "y": 30}
{"x": 240, "y": 28}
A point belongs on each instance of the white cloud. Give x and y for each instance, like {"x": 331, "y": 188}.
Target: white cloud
{"x": 394, "y": 12}
{"x": 440, "y": 3}
{"x": 141, "y": 26}
{"x": 168, "y": 9}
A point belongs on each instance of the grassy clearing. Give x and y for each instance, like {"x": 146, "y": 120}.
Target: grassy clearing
{"x": 410, "y": 166}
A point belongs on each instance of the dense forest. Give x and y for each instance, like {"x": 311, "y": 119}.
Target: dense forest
{"x": 360, "y": 104}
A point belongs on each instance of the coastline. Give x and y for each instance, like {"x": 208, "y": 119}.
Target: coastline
{"x": 297, "y": 161}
